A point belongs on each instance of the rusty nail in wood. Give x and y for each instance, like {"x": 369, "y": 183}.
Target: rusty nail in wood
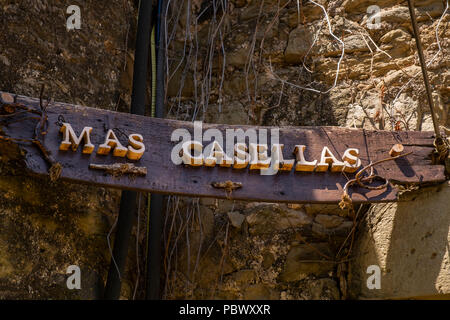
{"x": 396, "y": 150}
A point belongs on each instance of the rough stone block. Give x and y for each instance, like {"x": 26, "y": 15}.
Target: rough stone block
{"x": 305, "y": 260}
{"x": 409, "y": 241}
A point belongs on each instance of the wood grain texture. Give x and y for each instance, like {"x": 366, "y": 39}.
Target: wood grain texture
{"x": 165, "y": 177}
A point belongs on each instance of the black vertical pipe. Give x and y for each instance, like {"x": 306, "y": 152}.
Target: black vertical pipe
{"x": 124, "y": 224}
{"x": 140, "y": 70}
{"x": 128, "y": 199}
{"x": 154, "y": 247}
{"x": 160, "y": 61}
{"x": 156, "y": 200}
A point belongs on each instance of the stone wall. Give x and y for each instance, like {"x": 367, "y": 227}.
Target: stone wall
{"x": 409, "y": 241}
{"x": 257, "y": 251}
{"x": 377, "y": 62}
{"x": 46, "y": 227}
{"x": 257, "y": 62}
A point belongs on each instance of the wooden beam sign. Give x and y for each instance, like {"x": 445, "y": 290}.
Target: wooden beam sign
{"x": 286, "y": 164}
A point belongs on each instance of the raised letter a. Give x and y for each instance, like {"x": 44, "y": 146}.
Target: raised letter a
{"x": 70, "y": 139}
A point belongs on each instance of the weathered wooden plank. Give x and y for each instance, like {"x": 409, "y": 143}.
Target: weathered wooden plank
{"x": 163, "y": 176}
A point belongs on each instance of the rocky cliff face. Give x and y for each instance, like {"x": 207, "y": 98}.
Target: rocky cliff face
{"x": 271, "y": 62}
